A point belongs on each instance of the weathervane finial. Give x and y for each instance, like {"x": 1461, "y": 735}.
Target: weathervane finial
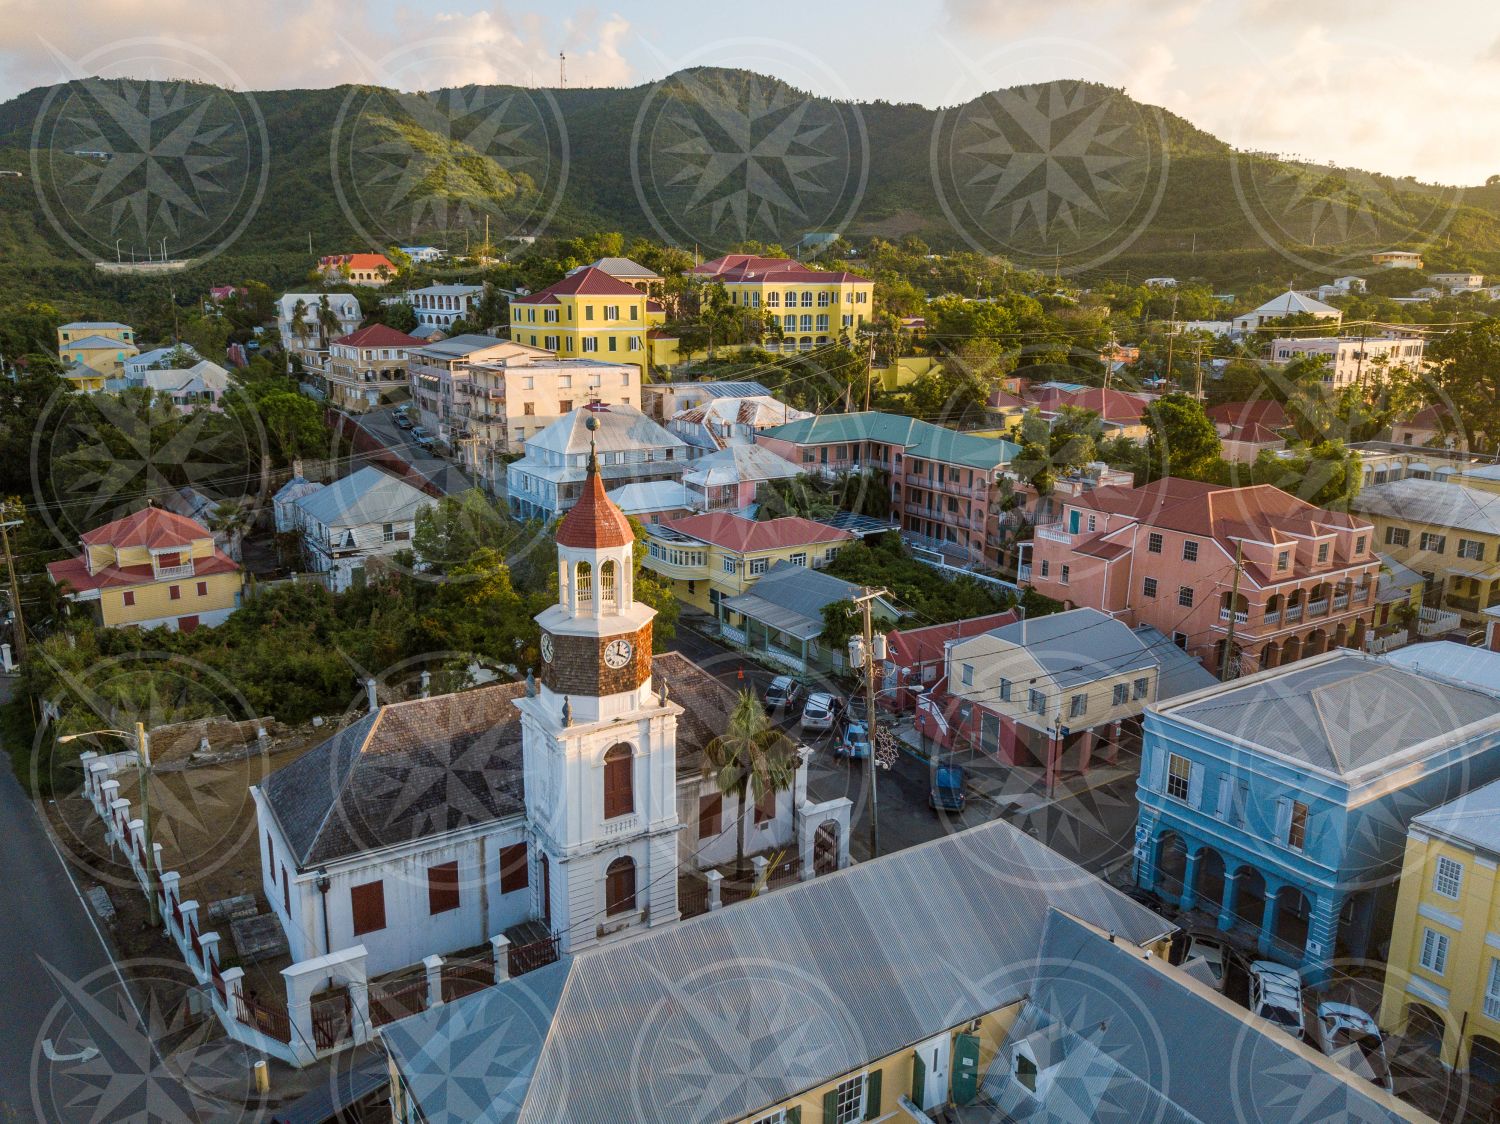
{"x": 591, "y": 425}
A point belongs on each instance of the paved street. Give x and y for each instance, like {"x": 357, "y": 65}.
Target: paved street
{"x": 381, "y": 424}
{"x": 42, "y": 923}
{"x": 1089, "y": 821}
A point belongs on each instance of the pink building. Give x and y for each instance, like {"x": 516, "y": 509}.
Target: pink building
{"x": 1164, "y": 554}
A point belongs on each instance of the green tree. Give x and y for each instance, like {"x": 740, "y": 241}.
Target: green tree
{"x": 750, "y": 759}
{"x": 1466, "y": 374}
{"x": 1183, "y": 440}
{"x": 1326, "y": 474}
{"x": 399, "y": 315}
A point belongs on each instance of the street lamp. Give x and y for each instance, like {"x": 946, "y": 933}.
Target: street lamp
{"x": 143, "y": 774}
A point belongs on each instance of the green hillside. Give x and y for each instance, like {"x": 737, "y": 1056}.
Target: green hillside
{"x": 1070, "y": 174}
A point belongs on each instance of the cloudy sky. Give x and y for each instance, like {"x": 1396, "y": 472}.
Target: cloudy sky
{"x": 1390, "y": 85}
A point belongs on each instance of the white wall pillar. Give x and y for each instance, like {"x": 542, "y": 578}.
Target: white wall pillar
{"x": 500, "y": 946}
{"x": 171, "y": 891}
{"x": 434, "y": 966}
{"x": 189, "y": 911}
{"x": 210, "y": 943}
{"x": 119, "y": 820}
{"x": 715, "y": 882}
{"x": 7, "y": 662}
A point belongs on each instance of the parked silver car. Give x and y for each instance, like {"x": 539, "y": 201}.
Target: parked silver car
{"x": 1351, "y": 1038}
{"x": 819, "y": 712}
{"x": 1276, "y": 996}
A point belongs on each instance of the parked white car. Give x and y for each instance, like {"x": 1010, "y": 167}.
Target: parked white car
{"x": 1351, "y": 1038}
{"x": 1276, "y": 996}
{"x": 1210, "y": 952}
{"x": 818, "y": 714}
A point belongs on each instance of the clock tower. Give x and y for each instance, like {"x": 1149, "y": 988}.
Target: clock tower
{"x": 599, "y": 743}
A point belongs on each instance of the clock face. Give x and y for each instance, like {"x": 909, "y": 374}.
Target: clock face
{"x": 547, "y": 646}
{"x": 617, "y": 653}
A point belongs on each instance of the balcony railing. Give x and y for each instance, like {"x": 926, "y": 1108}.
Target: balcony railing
{"x": 1239, "y": 618}
{"x": 1317, "y": 608}
{"x": 1052, "y": 534}
{"x": 185, "y": 570}
{"x": 1293, "y": 613}
{"x": 1341, "y": 602}
{"x": 1272, "y": 618}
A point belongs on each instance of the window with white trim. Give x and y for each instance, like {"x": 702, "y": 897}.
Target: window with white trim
{"x": 1434, "y": 951}
{"x": 1190, "y": 551}
{"x": 1121, "y": 694}
{"x": 1005, "y": 690}
{"x": 1447, "y": 877}
{"x": 849, "y": 1101}
{"x": 1179, "y": 776}
{"x": 1036, "y": 702}
{"x": 757, "y": 566}
{"x": 1078, "y": 706}
{"x": 777, "y": 1117}
{"x": 1139, "y": 688}
{"x": 968, "y": 675}
{"x": 1492, "y": 991}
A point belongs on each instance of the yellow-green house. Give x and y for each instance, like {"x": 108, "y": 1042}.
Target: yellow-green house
{"x": 1447, "y": 532}
{"x": 709, "y": 558}
{"x": 812, "y": 307}
{"x": 1442, "y": 983}
{"x": 152, "y": 569}
{"x": 589, "y": 314}
{"x": 94, "y": 350}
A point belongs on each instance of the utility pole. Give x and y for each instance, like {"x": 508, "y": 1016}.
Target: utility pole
{"x": 1227, "y": 666}
{"x": 870, "y": 372}
{"x": 864, "y": 600}
{"x": 1171, "y": 338}
{"x": 562, "y": 68}
{"x": 1198, "y": 371}
{"x": 15, "y": 588}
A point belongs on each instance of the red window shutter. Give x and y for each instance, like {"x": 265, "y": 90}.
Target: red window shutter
{"x": 710, "y": 815}
{"x": 765, "y": 807}
{"x": 202, "y": 589}
{"x": 367, "y": 902}
{"x": 619, "y": 887}
{"x": 619, "y": 794}
{"x": 442, "y": 887}
{"x": 129, "y": 596}
{"x": 175, "y": 592}
{"x": 515, "y": 871}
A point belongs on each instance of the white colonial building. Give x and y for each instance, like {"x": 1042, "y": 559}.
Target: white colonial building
{"x": 542, "y": 818}
{"x": 345, "y": 523}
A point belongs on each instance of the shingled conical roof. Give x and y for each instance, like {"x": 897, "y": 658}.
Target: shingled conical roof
{"x": 595, "y": 522}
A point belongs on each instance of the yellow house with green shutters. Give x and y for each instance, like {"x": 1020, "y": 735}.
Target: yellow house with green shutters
{"x": 709, "y": 558}
{"x": 153, "y": 569}
{"x": 1446, "y": 531}
{"x": 1442, "y": 983}
{"x": 94, "y": 350}
{"x": 589, "y": 314}
{"x": 813, "y": 307}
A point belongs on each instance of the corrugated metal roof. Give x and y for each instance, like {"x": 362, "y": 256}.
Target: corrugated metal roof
{"x": 1134, "y": 1040}
{"x": 366, "y": 496}
{"x": 713, "y": 1018}
{"x": 791, "y": 598}
{"x": 919, "y": 438}
{"x": 1341, "y": 712}
{"x": 738, "y": 464}
{"x": 1432, "y": 501}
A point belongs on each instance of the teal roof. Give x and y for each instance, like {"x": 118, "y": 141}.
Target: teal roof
{"x": 921, "y": 439}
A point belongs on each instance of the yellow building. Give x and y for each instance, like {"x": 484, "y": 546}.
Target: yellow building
{"x": 92, "y": 351}
{"x": 1443, "y": 980}
{"x": 708, "y": 558}
{"x": 813, "y": 306}
{"x": 152, "y": 569}
{"x": 591, "y": 315}
{"x": 1447, "y": 532}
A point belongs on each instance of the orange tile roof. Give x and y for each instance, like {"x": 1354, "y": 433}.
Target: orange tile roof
{"x": 379, "y": 335}
{"x": 75, "y": 572}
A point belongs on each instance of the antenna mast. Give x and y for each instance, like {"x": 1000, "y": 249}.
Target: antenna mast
{"x": 562, "y": 68}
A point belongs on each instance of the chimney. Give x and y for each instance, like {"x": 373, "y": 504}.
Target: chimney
{"x": 371, "y": 696}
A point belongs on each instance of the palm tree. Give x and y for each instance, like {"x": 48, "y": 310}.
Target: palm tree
{"x": 327, "y": 322}
{"x": 749, "y": 759}
{"x": 300, "y": 327}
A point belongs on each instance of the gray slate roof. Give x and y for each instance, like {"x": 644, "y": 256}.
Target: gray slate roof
{"x": 1135, "y": 1041}
{"x": 712, "y": 1018}
{"x": 1433, "y": 501}
{"x": 1341, "y": 713}
{"x": 366, "y": 496}
{"x": 791, "y": 598}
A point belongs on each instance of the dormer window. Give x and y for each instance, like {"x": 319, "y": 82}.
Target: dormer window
{"x": 1322, "y": 552}
{"x": 1283, "y": 559}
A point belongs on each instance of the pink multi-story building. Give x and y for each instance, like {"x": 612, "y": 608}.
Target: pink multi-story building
{"x": 1166, "y": 554}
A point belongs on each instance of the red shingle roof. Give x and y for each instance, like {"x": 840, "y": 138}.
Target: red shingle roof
{"x": 1264, "y": 412}
{"x": 588, "y": 282}
{"x": 594, "y": 521}
{"x": 1196, "y": 508}
{"x": 735, "y": 532}
{"x": 925, "y": 645}
{"x": 151, "y": 527}
{"x": 749, "y": 267}
{"x": 380, "y": 335}
{"x": 1111, "y": 405}
{"x": 358, "y": 261}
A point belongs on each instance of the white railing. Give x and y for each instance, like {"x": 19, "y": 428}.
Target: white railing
{"x": 1379, "y": 645}
{"x": 1051, "y": 535}
{"x": 1317, "y": 608}
{"x": 1239, "y": 618}
{"x": 1341, "y": 601}
{"x": 1273, "y": 617}
{"x": 621, "y": 825}
{"x": 183, "y": 571}
{"x": 1294, "y": 614}
{"x": 1434, "y": 622}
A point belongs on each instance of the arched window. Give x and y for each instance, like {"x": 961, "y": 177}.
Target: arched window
{"x": 619, "y": 887}
{"x": 607, "y": 582}
{"x": 584, "y": 577}
{"x": 619, "y": 782}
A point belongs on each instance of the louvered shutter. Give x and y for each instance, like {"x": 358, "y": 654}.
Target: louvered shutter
{"x": 1195, "y": 785}
{"x": 1283, "y": 818}
{"x": 872, "y": 1095}
{"x": 830, "y": 1106}
{"x": 794, "y": 1114}
{"x": 918, "y": 1078}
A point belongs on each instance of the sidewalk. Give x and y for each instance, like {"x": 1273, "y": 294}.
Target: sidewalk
{"x": 1023, "y": 786}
